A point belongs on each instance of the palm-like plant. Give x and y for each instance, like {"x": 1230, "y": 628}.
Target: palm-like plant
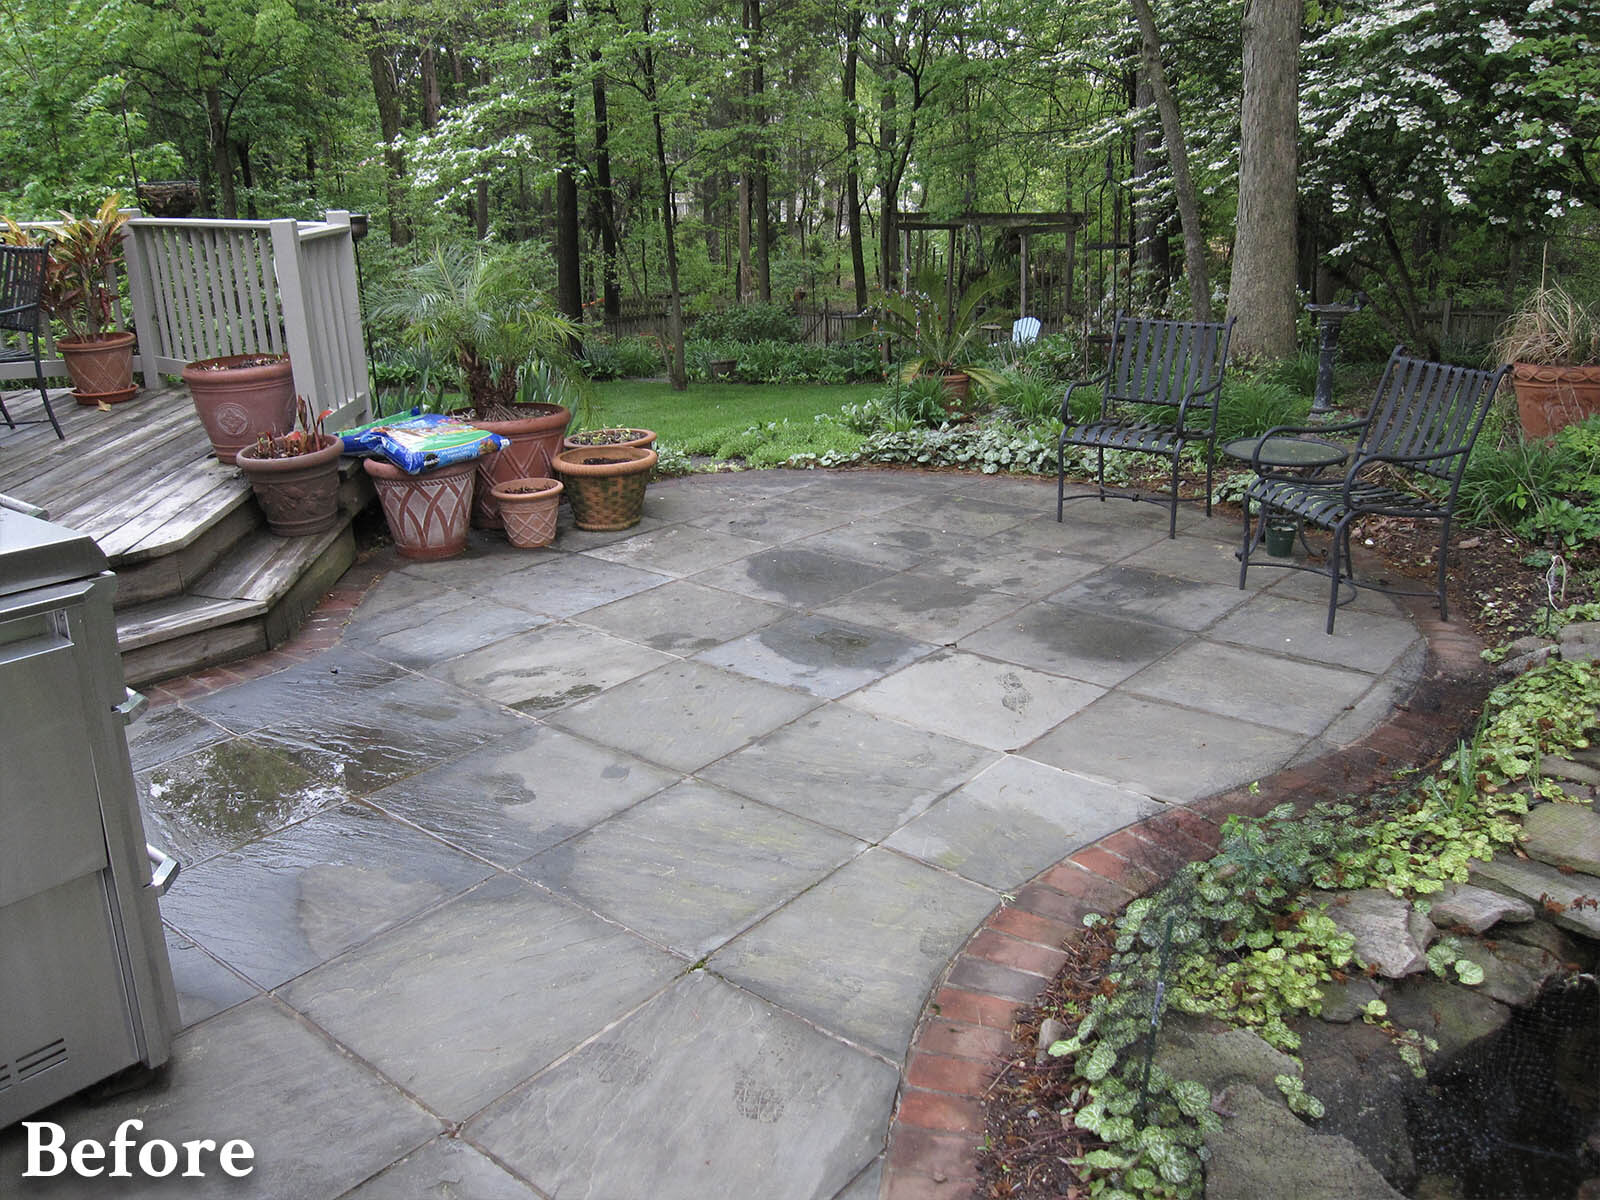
{"x": 482, "y": 311}
{"x": 943, "y": 334}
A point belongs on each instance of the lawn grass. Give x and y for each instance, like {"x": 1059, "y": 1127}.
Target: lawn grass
{"x": 708, "y": 415}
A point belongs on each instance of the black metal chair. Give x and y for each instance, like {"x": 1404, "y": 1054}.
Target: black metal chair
{"x": 1158, "y": 395}
{"x": 21, "y": 288}
{"x": 1411, "y": 450}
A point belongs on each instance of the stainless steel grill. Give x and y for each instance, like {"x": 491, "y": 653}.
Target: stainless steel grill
{"x": 85, "y": 984}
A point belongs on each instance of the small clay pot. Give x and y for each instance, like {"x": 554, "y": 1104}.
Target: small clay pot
{"x": 528, "y": 507}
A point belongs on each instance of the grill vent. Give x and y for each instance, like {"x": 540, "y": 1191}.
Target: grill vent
{"x": 37, "y": 1061}
{"x": 5, "y": 1076}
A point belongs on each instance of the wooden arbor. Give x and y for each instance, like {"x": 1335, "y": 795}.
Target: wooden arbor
{"x": 1025, "y": 225}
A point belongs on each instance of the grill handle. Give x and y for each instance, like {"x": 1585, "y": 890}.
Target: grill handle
{"x": 132, "y": 708}
{"x": 163, "y": 869}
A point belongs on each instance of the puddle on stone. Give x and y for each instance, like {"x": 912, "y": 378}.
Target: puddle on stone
{"x": 228, "y": 794}
{"x": 580, "y": 691}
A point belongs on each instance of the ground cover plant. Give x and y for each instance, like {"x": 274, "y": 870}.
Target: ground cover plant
{"x": 1243, "y": 938}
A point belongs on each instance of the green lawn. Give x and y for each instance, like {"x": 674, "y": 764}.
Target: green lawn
{"x": 710, "y": 414}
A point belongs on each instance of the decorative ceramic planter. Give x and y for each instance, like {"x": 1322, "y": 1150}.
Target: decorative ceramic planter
{"x": 101, "y": 368}
{"x": 241, "y": 396}
{"x": 428, "y": 514}
{"x": 535, "y": 438}
{"x": 957, "y": 386}
{"x": 1551, "y": 398}
{"x": 300, "y": 495}
{"x": 645, "y": 439}
{"x": 605, "y": 484}
{"x": 529, "y": 507}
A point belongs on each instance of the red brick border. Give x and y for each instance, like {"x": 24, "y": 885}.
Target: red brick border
{"x": 964, "y": 1033}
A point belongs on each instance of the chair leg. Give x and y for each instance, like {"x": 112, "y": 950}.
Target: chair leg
{"x": 1211, "y": 455}
{"x": 1334, "y": 544}
{"x": 10, "y": 424}
{"x": 44, "y": 398}
{"x": 1172, "y": 503}
{"x": 1244, "y": 546}
{"x": 1061, "y": 479}
{"x": 1444, "y": 544}
{"x": 1100, "y": 471}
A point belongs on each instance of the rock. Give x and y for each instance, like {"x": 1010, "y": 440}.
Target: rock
{"x": 1264, "y": 1150}
{"x": 1512, "y": 973}
{"x": 1564, "y": 835}
{"x": 1569, "y": 770}
{"x": 1476, "y": 908}
{"x": 1536, "y": 881}
{"x": 1344, "y": 1002}
{"x": 1542, "y": 934}
{"x": 1527, "y": 644}
{"x": 1390, "y": 935}
{"x": 1453, "y": 1015}
{"x": 1217, "y": 1055}
{"x": 1363, "y": 1084}
{"x": 1580, "y": 640}
{"x": 1528, "y": 660}
{"x": 1051, "y": 1031}
{"x": 1437, "y": 1187}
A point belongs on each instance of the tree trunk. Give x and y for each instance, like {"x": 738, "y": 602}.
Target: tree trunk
{"x": 569, "y": 294}
{"x": 603, "y": 195}
{"x": 1262, "y": 295}
{"x": 669, "y": 233}
{"x": 1152, "y": 255}
{"x": 852, "y": 177}
{"x": 221, "y": 159}
{"x": 241, "y": 155}
{"x": 888, "y": 188}
{"x": 388, "y": 102}
{"x": 1194, "y": 242}
{"x": 429, "y": 80}
{"x": 745, "y": 280}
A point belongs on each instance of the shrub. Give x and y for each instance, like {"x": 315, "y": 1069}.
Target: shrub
{"x": 1537, "y": 489}
{"x": 1033, "y": 398}
{"x": 747, "y": 323}
{"x": 1056, "y": 356}
{"x": 787, "y": 362}
{"x": 1250, "y": 406}
{"x": 635, "y": 357}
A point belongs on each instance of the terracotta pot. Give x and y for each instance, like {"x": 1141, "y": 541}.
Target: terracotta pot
{"x": 529, "y": 508}
{"x": 607, "y": 494}
{"x": 534, "y": 439}
{"x": 645, "y": 439}
{"x": 101, "y": 368}
{"x": 238, "y": 403}
{"x": 956, "y": 386}
{"x": 300, "y": 495}
{"x": 428, "y": 514}
{"x": 1551, "y": 398}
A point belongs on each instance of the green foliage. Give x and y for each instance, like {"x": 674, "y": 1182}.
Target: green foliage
{"x": 746, "y": 323}
{"x": 1243, "y": 942}
{"x": 1034, "y": 398}
{"x": 787, "y": 362}
{"x": 626, "y": 358}
{"x": 1539, "y": 489}
{"x": 84, "y": 254}
{"x": 938, "y": 333}
{"x": 1248, "y": 407}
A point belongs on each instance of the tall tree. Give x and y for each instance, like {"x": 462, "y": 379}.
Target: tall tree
{"x": 1261, "y": 293}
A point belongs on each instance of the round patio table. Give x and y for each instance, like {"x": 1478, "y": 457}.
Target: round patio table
{"x": 1287, "y": 453}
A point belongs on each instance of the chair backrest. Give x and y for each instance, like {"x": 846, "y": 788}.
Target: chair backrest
{"x": 21, "y": 286}
{"x": 1025, "y": 331}
{"x": 1160, "y": 362}
{"x": 1426, "y": 407}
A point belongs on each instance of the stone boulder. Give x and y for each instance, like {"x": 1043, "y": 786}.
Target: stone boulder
{"x": 1461, "y": 905}
{"x": 1391, "y": 936}
{"x": 1564, "y": 835}
{"x": 1264, "y": 1150}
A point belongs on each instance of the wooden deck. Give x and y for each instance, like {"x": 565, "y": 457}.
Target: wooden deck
{"x": 199, "y": 579}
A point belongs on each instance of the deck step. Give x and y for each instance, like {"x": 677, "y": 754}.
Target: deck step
{"x": 252, "y": 599}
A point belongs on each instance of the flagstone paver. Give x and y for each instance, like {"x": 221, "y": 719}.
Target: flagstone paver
{"x": 634, "y": 867}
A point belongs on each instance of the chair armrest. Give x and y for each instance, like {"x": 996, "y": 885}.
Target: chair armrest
{"x": 1066, "y": 413}
{"x": 1363, "y": 461}
{"x": 1341, "y": 427}
{"x": 1190, "y": 397}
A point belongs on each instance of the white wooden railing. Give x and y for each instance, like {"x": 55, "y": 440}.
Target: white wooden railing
{"x": 203, "y": 289}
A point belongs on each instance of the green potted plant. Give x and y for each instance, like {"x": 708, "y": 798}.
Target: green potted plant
{"x": 295, "y": 475}
{"x": 482, "y": 311}
{"x": 942, "y": 333}
{"x": 80, "y": 291}
{"x": 1553, "y": 345}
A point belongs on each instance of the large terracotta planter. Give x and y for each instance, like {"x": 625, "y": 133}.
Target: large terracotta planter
{"x": 101, "y": 368}
{"x": 605, "y": 484}
{"x": 241, "y": 396}
{"x": 529, "y": 508}
{"x": 534, "y": 439}
{"x": 300, "y": 495}
{"x": 1551, "y": 398}
{"x": 428, "y": 514}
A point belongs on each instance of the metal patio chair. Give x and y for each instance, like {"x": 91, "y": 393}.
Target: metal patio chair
{"x": 21, "y": 289}
{"x": 1411, "y": 450}
{"x": 1158, "y": 395}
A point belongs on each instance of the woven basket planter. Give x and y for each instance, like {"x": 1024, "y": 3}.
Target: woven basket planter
{"x": 605, "y": 484}
{"x": 528, "y": 508}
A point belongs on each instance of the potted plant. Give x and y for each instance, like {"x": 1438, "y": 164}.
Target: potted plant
{"x": 241, "y": 396}
{"x": 605, "y": 484}
{"x": 616, "y": 436}
{"x": 295, "y": 475}
{"x": 941, "y": 332}
{"x": 1553, "y": 345}
{"x": 80, "y": 291}
{"x": 481, "y": 311}
{"x": 529, "y": 507}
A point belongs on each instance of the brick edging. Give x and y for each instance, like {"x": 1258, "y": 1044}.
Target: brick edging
{"x": 964, "y": 1032}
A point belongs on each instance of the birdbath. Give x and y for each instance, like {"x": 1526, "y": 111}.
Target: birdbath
{"x": 1329, "y": 318}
